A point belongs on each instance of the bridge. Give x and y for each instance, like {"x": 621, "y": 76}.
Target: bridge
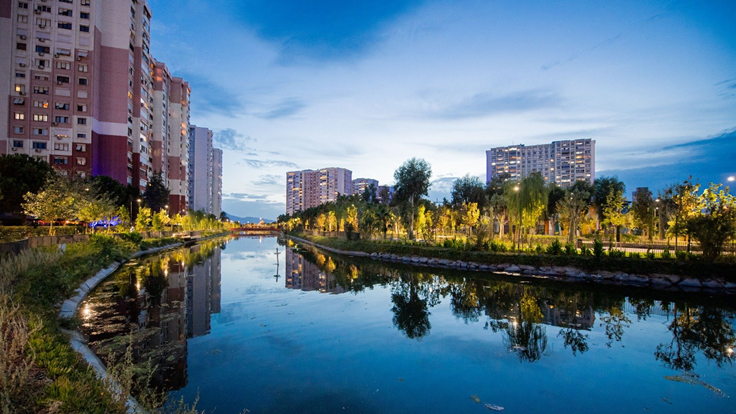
{"x": 257, "y": 230}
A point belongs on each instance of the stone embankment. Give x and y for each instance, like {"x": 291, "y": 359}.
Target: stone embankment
{"x": 566, "y": 274}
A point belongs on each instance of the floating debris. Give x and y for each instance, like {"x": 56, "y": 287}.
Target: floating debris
{"x": 401, "y": 379}
{"x": 667, "y": 401}
{"x": 475, "y": 398}
{"x": 693, "y": 379}
{"x": 494, "y": 407}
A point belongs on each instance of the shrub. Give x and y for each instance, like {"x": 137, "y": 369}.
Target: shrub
{"x": 681, "y": 255}
{"x": 585, "y": 251}
{"x": 616, "y": 253}
{"x": 498, "y": 247}
{"x": 666, "y": 253}
{"x": 570, "y": 249}
{"x": 598, "y": 248}
{"x": 539, "y": 249}
{"x": 650, "y": 255}
{"x": 635, "y": 255}
{"x": 133, "y": 237}
{"x": 555, "y": 248}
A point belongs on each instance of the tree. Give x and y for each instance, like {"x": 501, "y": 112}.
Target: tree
{"x": 643, "y": 210}
{"x": 716, "y": 224}
{"x": 370, "y": 195}
{"x": 470, "y": 216}
{"x": 331, "y": 221}
{"x": 602, "y": 189}
{"x": 351, "y": 220}
{"x": 156, "y": 195}
{"x": 58, "y": 199}
{"x": 681, "y": 202}
{"x": 412, "y": 182}
{"x": 110, "y": 188}
{"x": 613, "y": 212}
{"x": 144, "y": 219}
{"x": 572, "y": 207}
{"x": 21, "y": 174}
{"x": 526, "y": 201}
{"x": 95, "y": 207}
{"x": 497, "y": 209}
{"x": 320, "y": 221}
{"x": 224, "y": 217}
{"x": 555, "y": 195}
{"x": 468, "y": 190}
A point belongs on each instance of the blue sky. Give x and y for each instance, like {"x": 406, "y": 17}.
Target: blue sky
{"x": 366, "y": 85}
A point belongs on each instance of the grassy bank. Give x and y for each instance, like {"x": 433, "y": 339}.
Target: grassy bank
{"x": 693, "y": 266}
{"x": 39, "y": 371}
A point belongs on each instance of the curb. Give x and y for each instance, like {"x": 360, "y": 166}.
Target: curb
{"x": 69, "y": 310}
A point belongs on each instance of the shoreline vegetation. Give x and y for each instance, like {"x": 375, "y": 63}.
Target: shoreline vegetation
{"x": 689, "y": 273}
{"x": 40, "y": 372}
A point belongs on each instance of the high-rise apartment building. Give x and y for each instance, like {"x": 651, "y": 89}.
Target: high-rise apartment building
{"x": 310, "y": 188}
{"x": 170, "y": 134}
{"x": 205, "y": 172}
{"x": 561, "y": 162}
{"x": 362, "y": 184}
{"x": 77, "y": 77}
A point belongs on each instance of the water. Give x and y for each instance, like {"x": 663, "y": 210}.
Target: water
{"x": 321, "y": 334}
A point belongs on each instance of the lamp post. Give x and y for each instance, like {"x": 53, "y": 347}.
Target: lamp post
{"x": 518, "y": 242}
{"x": 655, "y": 213}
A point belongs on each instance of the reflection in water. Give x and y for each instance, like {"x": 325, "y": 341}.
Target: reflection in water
{"x": 155, "y": 305}
{"x": 161, "y": 302}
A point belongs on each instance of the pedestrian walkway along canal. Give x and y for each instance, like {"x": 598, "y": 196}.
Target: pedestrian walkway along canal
{"x": 304, "y": 331}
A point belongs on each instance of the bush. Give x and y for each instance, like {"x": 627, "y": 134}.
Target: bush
{"x": 598, "y": 248}
{"x": 666, "y": 253}
{"x": 539, "y": 249}
{"x": 635, "y": 255}
{"x": 570, "y": 249}
{"x": 650, "y": 255}
{"x": 616, "y": 253}
{"x": 133, "y": 237}
{"x": 681, "y": 255}
{"x": 585, "y": 251}
{"x": 555, "y": 248}
{"x": 498, "y": 247}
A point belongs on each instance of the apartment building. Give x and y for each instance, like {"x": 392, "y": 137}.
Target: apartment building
{"x": 310, "y": 188}
{"x": 205, "y": 172}
{"x": 170, "y": 134}
{"x": 360, "y": 185}
{"x": 77, "y": 76}
{"x": 561, "y": 162}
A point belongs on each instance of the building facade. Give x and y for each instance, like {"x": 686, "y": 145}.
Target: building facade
{"x": 561, "y": 162}
{"x": 205, "y": 172}
{"x": 310, "y": 188}
{"x": 362, "y": 184}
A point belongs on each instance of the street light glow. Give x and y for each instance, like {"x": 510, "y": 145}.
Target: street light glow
{"x": 732, "y": 178}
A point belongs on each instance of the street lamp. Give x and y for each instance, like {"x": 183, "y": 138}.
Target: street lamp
{"x": 731, "y": 178}
{"x": 518, "y": 242}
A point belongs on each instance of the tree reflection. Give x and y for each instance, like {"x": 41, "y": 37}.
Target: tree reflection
{"x": 698, "y": 329}
{"x": 412, "y": 301}
{"x": 616, "y": 323}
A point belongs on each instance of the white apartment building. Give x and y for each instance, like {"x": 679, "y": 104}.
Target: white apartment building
{"x": 561, "y": 162}
{"x": 310, "y": 188}
{"x": 205, "y": 172}
{"x": 362, "y": 184}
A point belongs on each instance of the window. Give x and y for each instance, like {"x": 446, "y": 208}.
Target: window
{"x": 64, "y": 25}
{"x": 46, "y": 9}
{"x": 81, "y": 161}
{"x": 43, "y": 90}
{"x": 61, "y": 161}
{"x": 82, "y": 81}
{"x": 81, "y": 147}
{"x": 19, "y": 101}
{"x": 62, "y": 79}
{"x": 61, "y": 119}
{"x": 66, "y": 1}
{"x": 65, "y": 12}
{"x": 20, "y": 88}
{"x": 60, "y": 146}
{"x": 22, "y": 18}
{"x": 39, "y": 145}
{"x": 81, "y": 121}
{"x": 19, "y": 116}
{"x": 22, "y": 5}
{"x": 61, "y": 105}
{"x": 63, "y": 65}
{"x": 17, "y": 144}
{"x": 18, "y": 130}
{"x": 84, "y": 2}
{"x": 82, "y": 135}
{"x": 83, "y": 15}
{"x": 41, "y": 77}
{"x": 20, "y": 46}
{"x": 42, "y": 49}
{"x": 82, "y": 67}
{"x": 42, "y": 63}
{"x": 40, "y": 117}
{"x": 40, "y": 104}
{"x": 81, "y": 108}
{"x": 20, "y": 74}
{"x": 84, "y": 28}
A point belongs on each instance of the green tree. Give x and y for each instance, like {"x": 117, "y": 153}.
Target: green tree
{"x": 95, "y": 207}
{"x": 556, "y": 194}
{"x": 468, "y": 190}
{"x": 682, "y": 204}
{"x": 602, "y": 189}
{"x": 643, "y": 210}
{"x": 716, "y": 224}
{"x": 331, "y": 221}
{"x": 370, "y": 195}
{"x": 21, "y": 174}
{"x": 412, "y": 182}
{"x": 572, "y": 208}
{"x": 470, "y": 216}
{"x": 156, "y": 195}
{"x": 58, "y": 199}
{"x": 143, "y": 221}
{"x": 526, "y": 201}
{"x": 111, "y": 188}
{"x": 613, "y": 212}
{"x": 351, "y": 220}
{"x": 498, "y": 210}
{"x": 320, "y": 221}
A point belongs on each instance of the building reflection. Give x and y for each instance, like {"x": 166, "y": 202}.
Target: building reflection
{"x": 154, "y": 306}
{"x": 302, "y": 274}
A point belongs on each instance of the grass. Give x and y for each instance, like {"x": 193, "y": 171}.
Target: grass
{"x": 39, "y": 370}
{"x": 692, "y": 266}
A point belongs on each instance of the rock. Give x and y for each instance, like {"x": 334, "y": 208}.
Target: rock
{"x": 730, "y": 285}
{"x": 527, "y": 272}
{"x": 527, "y": 267}
{"x": 660, "y": 282}
{"x": 406, "y": 259}
{"x": 484, "y": 268}
{"x": 621, "y": 277}
{"x": 423, "y": 260}
{"x": 415, "y": 259}
{"x": 513, "y": 269}
{"x": 690, "y": 282}
{"x": 713, "y": 284}
{"x": 374, "y": 255}
{"x": 606, "y": 275}
{"x": 502, "y": 266}
{"x": 638, "y": 280}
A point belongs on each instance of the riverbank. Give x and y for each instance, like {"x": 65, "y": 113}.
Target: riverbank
{"x": 693, "y": 275}
{"x": 40, "y": 370}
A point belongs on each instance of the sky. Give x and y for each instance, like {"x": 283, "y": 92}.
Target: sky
{"x": 366, "y": 85}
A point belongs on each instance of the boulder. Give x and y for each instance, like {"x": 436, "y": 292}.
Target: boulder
{"x": 513, "y": 269}
{"x": 690, "y": 282}
{"x": 713, "y": 284}
{"x": 527, "y": 267}
{"x": 660, "y": 282}
{"x": 638, "y": 280}
{"x": 423, "y": 260}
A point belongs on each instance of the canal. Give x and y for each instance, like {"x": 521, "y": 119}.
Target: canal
{"x": 319, "y": 333}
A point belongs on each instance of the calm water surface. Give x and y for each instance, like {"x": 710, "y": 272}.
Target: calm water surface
{"x": 322, "y": 334}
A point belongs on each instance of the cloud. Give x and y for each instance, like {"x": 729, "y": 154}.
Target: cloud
{"x": 485, "y": 104}
{"x": 211, "y": 98}
{"x": 320, "y": 29}
{"x": 285, "y": 109}
{"x": 582, "y": 53}
{"x": 259, "y": 164}
{"x": 246, "y": 197}
{"x": 269, "y": 179}
{"x": 248, "y": 208}
{"x": 230, "y": 139}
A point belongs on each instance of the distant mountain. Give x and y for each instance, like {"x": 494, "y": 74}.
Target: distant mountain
{"x": 244, "y": 220}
